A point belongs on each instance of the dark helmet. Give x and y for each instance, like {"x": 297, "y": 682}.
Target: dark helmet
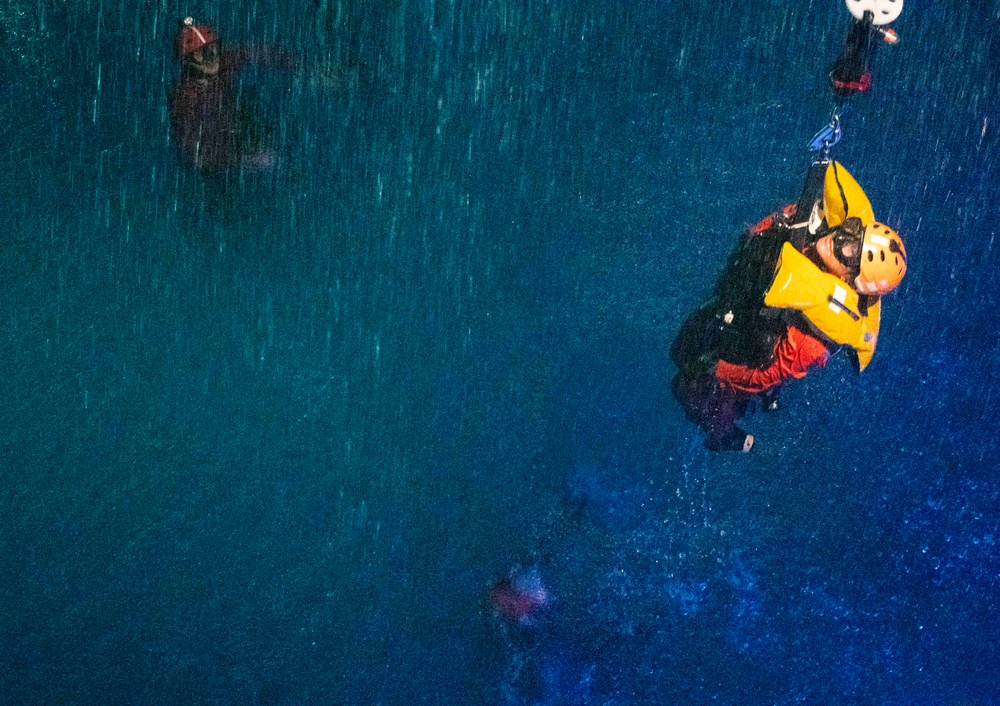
{"x": 190, "y": 37}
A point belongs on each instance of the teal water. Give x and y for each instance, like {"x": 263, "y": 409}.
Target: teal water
{"x": 273, "y": 445}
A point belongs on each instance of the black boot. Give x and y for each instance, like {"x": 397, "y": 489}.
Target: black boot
{"x": 735, "y": 440}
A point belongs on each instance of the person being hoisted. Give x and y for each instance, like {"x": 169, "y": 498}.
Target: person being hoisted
{"x": 802, "y": 283}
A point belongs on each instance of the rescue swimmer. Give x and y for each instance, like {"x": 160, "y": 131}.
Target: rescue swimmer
{"x": 215, "y": 125}
{"x": 802, "y": 283}
{"x": 214, "y": 117}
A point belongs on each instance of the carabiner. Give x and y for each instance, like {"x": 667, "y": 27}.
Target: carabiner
{"x": 827, "y": 137}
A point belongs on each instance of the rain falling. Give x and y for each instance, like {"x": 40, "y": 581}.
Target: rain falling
{"x": 340, "y": 344}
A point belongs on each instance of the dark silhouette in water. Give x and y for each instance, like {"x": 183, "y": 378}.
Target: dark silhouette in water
{"x": 220, "y": 132}
{"x": 519, "y": 596}
{"x": 217, "y": 127}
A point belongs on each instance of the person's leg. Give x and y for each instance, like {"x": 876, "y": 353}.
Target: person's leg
{"x": 715, "y": 409}
{"x": 728, "y": 406}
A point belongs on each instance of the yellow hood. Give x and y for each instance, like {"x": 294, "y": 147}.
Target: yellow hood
{"x": 843, "y": 197}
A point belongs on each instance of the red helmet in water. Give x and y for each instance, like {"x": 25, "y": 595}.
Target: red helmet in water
{"x": 191, "y": 37}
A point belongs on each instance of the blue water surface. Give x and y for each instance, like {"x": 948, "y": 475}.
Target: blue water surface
{"x": 273, "y": 444}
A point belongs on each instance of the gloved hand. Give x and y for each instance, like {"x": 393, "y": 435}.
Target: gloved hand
{"x": 332, "y": 77}
{"x": 769, "y": 399}
{"x": 704, "y": 366}
{"x": 342, "y": 78}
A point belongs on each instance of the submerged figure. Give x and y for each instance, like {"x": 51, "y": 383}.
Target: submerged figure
{"x": 215, "y": 127}
{"x": 802, "y": 283}
{"x": 519, "y": 596}
{"x": 542, "y": 666}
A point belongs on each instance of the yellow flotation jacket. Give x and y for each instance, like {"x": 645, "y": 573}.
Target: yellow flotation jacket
{"x": 829, "y": 304}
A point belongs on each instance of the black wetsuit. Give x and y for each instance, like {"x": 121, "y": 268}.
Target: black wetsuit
{"x": 754, "y": 330}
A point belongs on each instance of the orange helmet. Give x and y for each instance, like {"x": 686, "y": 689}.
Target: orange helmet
{"x": 190, "y": 38}
{"x": 883, "y": 260}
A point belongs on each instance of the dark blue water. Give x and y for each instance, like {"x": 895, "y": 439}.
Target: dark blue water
{"x": 273, "y": 446}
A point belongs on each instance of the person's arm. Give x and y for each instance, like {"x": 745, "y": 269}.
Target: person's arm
{"x": 265, "y": 56}
{"x": 812, "y": 192}
{"x": 794, "y": 354}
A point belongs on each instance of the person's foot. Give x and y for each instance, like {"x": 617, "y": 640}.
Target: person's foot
{"x": 735, "y": 440}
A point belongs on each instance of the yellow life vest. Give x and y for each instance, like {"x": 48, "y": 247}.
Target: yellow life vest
{"x": 829, "y": 304}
